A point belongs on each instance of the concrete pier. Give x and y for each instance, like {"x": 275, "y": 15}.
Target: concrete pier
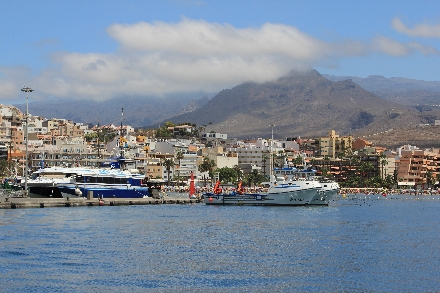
{"x": 26, "y": 202}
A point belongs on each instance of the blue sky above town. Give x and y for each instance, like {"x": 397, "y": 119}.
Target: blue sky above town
{"x": 98, "y": 50}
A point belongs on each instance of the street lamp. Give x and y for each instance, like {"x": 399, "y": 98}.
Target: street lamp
{"x": 27, "y": 90}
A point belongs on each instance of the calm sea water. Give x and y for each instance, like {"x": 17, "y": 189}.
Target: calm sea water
{"x": 372, "y": 244}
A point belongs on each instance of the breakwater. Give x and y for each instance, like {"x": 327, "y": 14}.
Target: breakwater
{"x": 23, "y": 202}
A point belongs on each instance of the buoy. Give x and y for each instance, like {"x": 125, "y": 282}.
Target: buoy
{"x": 101, "y": 202}
{"x": 210, "y": 199}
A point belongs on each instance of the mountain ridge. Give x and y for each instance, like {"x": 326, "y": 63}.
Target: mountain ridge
{"x": 299, "y": 104}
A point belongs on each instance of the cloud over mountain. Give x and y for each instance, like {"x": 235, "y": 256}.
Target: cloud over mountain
{"x": 160, "y": 58}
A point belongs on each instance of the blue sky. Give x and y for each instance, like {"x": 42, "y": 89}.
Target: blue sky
{"x": 97, "y": 50}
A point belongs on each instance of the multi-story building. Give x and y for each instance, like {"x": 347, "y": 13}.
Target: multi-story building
{"x": 416, "y": 165}
{"x": 332, "y": 145}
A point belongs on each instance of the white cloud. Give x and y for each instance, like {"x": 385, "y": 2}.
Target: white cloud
{"x": 420, "y": 30}
{"x": 395, "y": 48}
{"x": 192, "y": 55}
{"x": 390, "y": 47}
{"x": 12, "y": 79}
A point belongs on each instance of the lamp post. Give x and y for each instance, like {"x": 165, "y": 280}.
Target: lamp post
{"x": 27, "y": 90}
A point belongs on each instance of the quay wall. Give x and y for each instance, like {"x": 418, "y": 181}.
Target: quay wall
{"x": 19, "y": 202}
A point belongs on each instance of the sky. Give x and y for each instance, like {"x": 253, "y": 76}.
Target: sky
{"x": 104, "y": 49}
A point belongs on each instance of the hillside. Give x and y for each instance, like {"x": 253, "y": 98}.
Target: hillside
{"x": 138, "y": 111}
{"x": 404, "y": 91}
{"x": 426, "y": 136}
{"x": 301, "y": 104}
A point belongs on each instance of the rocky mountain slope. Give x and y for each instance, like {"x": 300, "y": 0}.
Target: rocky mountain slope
{"x": 397, "y": 89}
{"x": 301, "y": 104}
{"x": 138, "y": 111}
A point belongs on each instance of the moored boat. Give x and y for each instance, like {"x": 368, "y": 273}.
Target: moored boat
{"x": 287, "y": 193}
{"x": 329, "y": 187}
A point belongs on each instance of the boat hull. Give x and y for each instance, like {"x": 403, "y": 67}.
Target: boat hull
{"x": 41, "y": 191}
{"x": 299, "y": 198}
{"x": 106, "y": 192}
{"x": 329, "y": 189}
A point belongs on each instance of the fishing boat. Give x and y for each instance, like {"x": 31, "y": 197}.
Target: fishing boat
{"x": 284, "y": 193}
{"x": 329, "y": 187}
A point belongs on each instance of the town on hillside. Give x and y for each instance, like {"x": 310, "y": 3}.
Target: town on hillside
{"x": 174, "y": 153}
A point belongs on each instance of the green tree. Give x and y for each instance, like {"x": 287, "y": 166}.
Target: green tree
{"x": 238, "y": 172}
{"x": 264, "y": 159}
{"x": 179, "y": 156}
{"x": 298, "y": 161}
{"x": 207, "y": 165}
{"x": 254, "y": 178}
{"x": 280, "y": 159}
{"x": 326, "y": 168}
{"x": 4, "y": 168}
{"x": 383, "y": 163}
{"x": 168, "y": 164}
{"x": 429, "y": 177}
{"x": 90, "y": 136}
{"x": 227, "y": 174}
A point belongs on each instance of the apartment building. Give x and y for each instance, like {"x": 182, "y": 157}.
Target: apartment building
{"x": 414, "y": 165}
{"x": 332, "y": 145}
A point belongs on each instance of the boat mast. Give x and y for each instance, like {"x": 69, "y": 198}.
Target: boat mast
{"x": 121, "y": 138}
{"x": 271, "y": 157}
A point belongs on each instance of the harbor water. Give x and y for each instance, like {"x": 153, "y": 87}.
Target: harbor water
{"x": 356, "y": 244}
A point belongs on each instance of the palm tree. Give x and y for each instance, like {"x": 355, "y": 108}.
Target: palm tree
{"x": 383, "y": 163}
{"x": 326, "y": 165}
{"x": 429, "y": 177}
{"x": 239, "y": 172}
{"x": 280, "y": 158}
{"x": 207, "y": 166}
{"x": 264, "y": 160}
{"x": 179, "y": 156}
{"x": 168, "y": 164}
{"x": 298, "y": 161}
